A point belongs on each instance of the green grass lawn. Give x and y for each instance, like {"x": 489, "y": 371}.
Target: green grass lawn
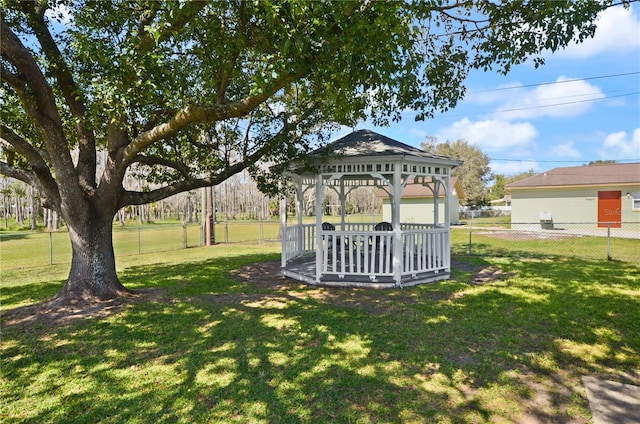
{"x": 214, "y": 347}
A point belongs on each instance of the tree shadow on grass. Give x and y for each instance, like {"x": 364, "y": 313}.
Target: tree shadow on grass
{"x": 29, "y": 293}
{"x": 289, "y": 362}
{"x": 14, "y": 236}
{"x": 562, "y": 318}
{"x": 224, "y": 344}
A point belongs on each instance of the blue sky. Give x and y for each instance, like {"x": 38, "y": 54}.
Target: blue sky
{"x": 523, "y": 123}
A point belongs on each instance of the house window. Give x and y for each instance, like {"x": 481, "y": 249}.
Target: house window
{"x": 636, "y": 201}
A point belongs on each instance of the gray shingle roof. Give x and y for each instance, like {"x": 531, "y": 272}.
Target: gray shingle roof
{"x": 619, "y": 173}
{"x": 368, "y": 143}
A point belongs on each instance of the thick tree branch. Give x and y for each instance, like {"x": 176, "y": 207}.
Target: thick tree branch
{"x": 70, "y": 91}
{"x": 159, "y": 161}
{"x": 12, "y": 79}
{"x": 39, "y": 103}
{"x": 21, "y": 174}
{"x": 139, "y": 198}
{"x": 46, "y": 184}
{"x": 37, "y": 158}
{"x": 50, "y": 200}
{"x": 196, "y": 114}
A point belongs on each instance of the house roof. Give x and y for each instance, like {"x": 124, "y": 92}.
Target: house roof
{"x": 412, "y": 190}
{"x": 596, "y": 175}
{"x": 366, "y": 143}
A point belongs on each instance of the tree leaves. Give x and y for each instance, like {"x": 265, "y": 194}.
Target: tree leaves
{"x": 474, "y": 173}
{"x": 264, "y": 79}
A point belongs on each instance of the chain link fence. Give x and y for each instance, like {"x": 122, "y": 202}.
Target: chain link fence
{"x": 605, "y": 240}
{"x": 27, "y": 249}
{"x": 585, "y": 240}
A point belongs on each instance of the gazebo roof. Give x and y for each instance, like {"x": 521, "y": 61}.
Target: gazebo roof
{"x": 366, "y": 143}
{"x": 365, "y": 146}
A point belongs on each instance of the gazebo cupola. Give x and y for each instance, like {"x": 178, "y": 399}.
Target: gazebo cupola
{"x": 383, "y": 254}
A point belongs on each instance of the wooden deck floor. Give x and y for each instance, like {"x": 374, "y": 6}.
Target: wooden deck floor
{"x": 304, "y": 269}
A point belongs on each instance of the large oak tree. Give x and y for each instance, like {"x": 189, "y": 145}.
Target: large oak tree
{"x": 186, "y": 94}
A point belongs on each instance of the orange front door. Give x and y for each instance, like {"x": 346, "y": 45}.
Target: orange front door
{"x": 609, "y": 209}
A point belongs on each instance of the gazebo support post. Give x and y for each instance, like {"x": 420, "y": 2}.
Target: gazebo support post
{"x": 342, "y": 196}
{"x": 300, "y": 235}
{"x": 319, "y": 214}
{"x": 447, "y": 219}
{"x": 436, "y": 202}
{"x": 395, "y": 218}
{"x": 283, "y": 228}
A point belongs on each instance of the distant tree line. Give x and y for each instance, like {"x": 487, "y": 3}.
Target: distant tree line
{"x": 237, "y": 198}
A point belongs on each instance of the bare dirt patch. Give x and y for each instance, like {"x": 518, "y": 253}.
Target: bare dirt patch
{"x": 489, "y": 274}
{"x": 54, "y": 313}
{"x": 481, "y": 274}
{"x": 267, "y": 275}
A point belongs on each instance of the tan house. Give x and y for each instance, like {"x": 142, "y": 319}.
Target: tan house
{"x": 602, "y": 195}
{"x": 418, "y": 203}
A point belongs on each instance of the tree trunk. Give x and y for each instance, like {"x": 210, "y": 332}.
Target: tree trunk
{"x": 186, "y": 210}
{"x": 209, "y": 220}
{"x": 19, "y": 219}
{"x": 55, "y": 223}
{"x": 33, "y": 206}
{"x": 5, "y": 205}
{"x": 93, "y": 268}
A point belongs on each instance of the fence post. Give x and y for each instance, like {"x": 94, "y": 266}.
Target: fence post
{"x": 609, "y": 241}
{"x": 226, "y": 232}
{"x": 139, "y": 241}
{"x": 184, "y": 235}
{"x": 50, "y": 248}
{"x": 470, "y": 231}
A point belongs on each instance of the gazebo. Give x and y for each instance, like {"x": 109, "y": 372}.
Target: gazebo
{"x": 382, "y": 254}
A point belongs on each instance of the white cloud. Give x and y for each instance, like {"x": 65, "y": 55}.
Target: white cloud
{"x": 491, "y": 135}
{"x": 419, "y": 133}
{"x": 620, "y": 145}
{"x": 567, "y": 97}
{"x": 618, "y": 31}
{"x": 499, "y": 94}
{"x": 564, "y": 150}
